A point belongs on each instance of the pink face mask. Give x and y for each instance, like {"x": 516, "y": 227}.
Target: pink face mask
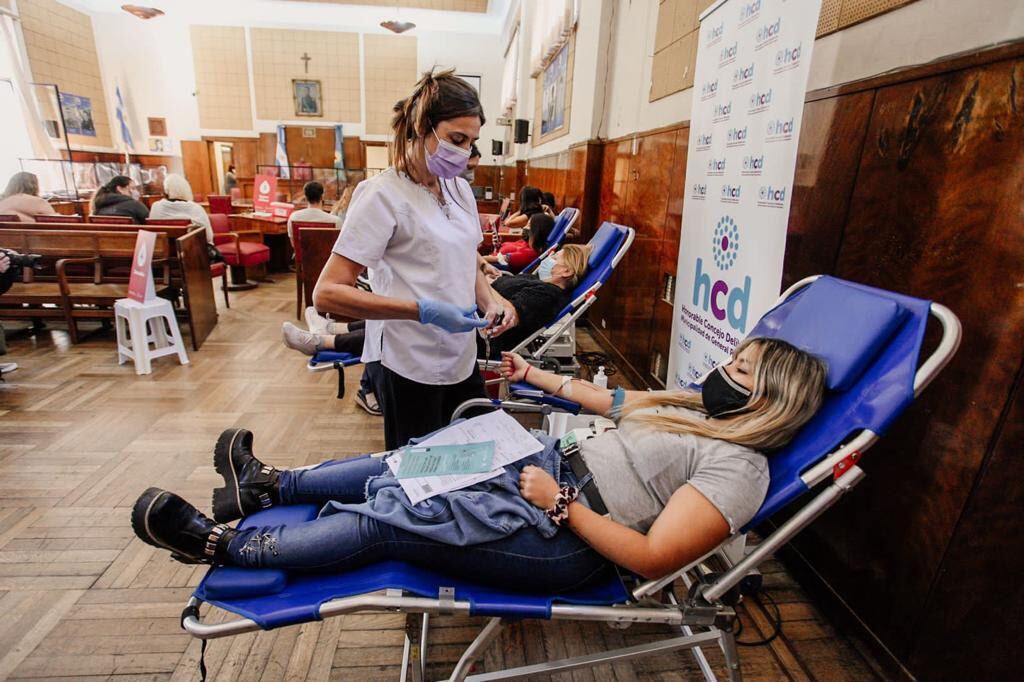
{"x": 449, "y": 161}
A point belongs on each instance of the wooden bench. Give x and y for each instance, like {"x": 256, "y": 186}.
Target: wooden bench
{"x": 186, "y": 255}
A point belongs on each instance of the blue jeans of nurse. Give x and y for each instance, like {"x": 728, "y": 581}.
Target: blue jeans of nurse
{"x": 524, "y": 560}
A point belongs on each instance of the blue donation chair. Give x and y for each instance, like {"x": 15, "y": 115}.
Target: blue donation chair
{"x": 608, "y": 246}
{"x": 563, "y": 223}
{"x": 871, "y": 340}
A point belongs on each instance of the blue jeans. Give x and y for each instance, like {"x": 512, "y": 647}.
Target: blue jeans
{"x": 523, "y": 560}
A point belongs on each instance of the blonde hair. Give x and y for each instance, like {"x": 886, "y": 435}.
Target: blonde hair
{"x": 344, "y": 200}
{"x": 22, "y": 183}
{"x": 789, "y": 386}
{"x": 436, "y": 97}
{"x": 176, "y": 188}
{"x": 575, "y": 257}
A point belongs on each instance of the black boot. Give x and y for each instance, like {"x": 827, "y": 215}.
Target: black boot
{"x": 164, "y": 520}
{"x": 249, "y": 484}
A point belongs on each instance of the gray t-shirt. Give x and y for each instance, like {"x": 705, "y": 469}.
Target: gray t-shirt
{"x": 637, "y": 469}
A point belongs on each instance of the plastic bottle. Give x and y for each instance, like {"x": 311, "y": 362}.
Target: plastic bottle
{"x": 601, "y": 379}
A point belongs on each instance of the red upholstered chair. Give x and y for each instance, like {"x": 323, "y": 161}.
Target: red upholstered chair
{"x": 109, "y": 220}
{"x": 10, "y": 218}
{"x": 59, "y": 219}
{"x": 239, "y": 254}
{"x": 220, "y": 203}
{"x": 171, "y": 222}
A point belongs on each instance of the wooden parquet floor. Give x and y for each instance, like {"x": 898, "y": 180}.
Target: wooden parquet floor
{"x": 82, "y": 598}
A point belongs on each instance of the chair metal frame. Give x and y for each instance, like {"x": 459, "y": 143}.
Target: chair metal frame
{"x": 703, "y": 618}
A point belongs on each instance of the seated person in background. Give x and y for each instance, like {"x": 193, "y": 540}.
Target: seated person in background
{"x": 536, "y": 299}
{"x": 474, "y": 160}
{"x": 549, "y": 203}
{"x": 178, "y": 203}
{"x": 314, "y": 212}
{"x": 518, "y": 254}
{"x": 530, "y": 203}
{"x": 682, "y": 471}
{"x": 120, "y": 196}
{"x": 22, "y": 198}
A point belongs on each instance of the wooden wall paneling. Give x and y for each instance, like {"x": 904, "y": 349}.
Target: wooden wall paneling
{"x": 266, "y": 149}
{"x": 936, "y": 213}
{"x": 355, "y": 159}
{"x": 985, "y": 559}
{"x": 590, "y": 219}
{"x": 661, "y": 323}
{"x": 647, "y": 199}
{"x": 831, "y": 142}
{"x": 195, "y": 160}
{"x": 243, "y": 153}
{"x": 606, "y": 315}
{"x": 318, "y": 151}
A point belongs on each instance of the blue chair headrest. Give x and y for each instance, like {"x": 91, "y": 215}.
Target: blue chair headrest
{"x": 843, "y": 325}
{"x": 557, "y": 233}
{"x": 604, "y": 242}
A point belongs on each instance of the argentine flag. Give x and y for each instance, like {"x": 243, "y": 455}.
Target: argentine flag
{"x": 281, "y": 157}
{"x": 126, "y": 133}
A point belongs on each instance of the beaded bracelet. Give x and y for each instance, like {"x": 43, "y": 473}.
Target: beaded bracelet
{"x": 559, "y": 512}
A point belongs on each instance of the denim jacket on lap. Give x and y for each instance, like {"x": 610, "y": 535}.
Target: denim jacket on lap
{"x": 484, "y": 512}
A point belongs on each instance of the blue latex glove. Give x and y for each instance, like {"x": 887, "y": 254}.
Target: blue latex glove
{"x": 449, "y": 316}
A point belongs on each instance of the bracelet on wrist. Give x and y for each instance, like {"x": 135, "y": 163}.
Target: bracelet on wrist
{"x": 559, "y": 511}
{"x": 527, "y": 372}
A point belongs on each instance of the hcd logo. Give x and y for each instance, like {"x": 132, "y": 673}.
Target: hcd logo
{"x": 715, "y": 33}
{"x": 707, "y": 294}
{"x": 709, "y": 90}
{"x": 721, "y": 112}
{"x": 736, "y": 137}
{"x": 743, "y": 76}
{"x": 730, "y": 195}
{"x": 760, "y": 101}
{"x": 767, "y": 34}
{"x": 716, "y": 166}
{"x": 749, "y": 11}
{"x": 703, "y": 141}
{"x": 725, "y": 243}
{"x": 727, "y": 55}
{"x": 752, "y": 165}
{"x": 787, "y": 58}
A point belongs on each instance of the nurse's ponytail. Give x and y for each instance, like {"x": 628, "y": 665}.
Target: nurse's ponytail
{"x": 437, "y": 97}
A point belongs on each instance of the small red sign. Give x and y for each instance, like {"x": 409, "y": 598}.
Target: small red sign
{"x": 281, "y": 209}
{"x": 140, "y": 284}
{"x": 264, "y": 192}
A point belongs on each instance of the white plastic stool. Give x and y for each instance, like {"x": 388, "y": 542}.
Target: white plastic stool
{"x": 133, "y": 340}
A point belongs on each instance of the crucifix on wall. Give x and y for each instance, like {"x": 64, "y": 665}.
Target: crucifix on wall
{"x": 306, "y": 58}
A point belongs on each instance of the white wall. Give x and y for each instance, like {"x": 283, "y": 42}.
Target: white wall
{"x": 152, "y": 62}
{"x": 920, "y": 32}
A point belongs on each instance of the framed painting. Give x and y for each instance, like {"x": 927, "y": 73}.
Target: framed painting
{"x": 308, "y": 99}
{"x": 77, "y": 114}
{"x": 553, "y": 99}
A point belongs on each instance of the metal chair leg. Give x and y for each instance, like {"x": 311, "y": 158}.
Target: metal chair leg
{"x": 486, "y": 637}
{"x": 727, "y": 641}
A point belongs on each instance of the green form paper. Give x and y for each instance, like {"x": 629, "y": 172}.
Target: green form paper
{"x": 438, "y": 460}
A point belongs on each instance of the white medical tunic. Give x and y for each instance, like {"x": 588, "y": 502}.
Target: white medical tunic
{"x": 416, "y": 249}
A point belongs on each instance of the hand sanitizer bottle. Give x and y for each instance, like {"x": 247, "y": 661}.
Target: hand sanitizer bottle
{"x": 601, "y": 379}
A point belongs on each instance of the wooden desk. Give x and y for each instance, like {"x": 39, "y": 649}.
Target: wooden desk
{"x": 275, "y": 235}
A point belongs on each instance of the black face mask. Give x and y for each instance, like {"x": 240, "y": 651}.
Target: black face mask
{"x": 721, "y": 394}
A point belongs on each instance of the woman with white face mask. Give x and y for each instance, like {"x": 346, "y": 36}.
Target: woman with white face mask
{"x": 416, "y": 228}
{"x": 120, "y": 196}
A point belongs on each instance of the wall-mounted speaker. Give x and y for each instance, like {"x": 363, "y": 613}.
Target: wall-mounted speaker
{"x": 522, "y": 130}
{"x": 496, "y": 147}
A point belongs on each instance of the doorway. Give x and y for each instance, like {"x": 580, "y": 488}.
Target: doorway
{"x": 223, "y": 158}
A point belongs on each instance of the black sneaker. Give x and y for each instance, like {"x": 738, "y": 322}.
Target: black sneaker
{"x": 163, "y": 519}
{"x": 249, "y": 484}
{"x": 368, "y": 402}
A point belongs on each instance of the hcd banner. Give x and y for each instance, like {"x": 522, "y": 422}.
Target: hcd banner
{"x": 748, "y": 96}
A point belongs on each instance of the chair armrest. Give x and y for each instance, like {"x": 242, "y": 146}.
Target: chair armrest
{"x": 250, "y": 236}
{"x": 524, "y": 391}
{"x": 227, "y": 238}
{"x": 62, "y": 280}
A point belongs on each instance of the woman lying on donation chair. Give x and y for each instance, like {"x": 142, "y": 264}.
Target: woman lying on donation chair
{"x": 536, "y": 299}
{"x": 682, "y": 471}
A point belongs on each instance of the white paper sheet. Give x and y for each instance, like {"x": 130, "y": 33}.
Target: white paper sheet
{"x": 511, "y": 443}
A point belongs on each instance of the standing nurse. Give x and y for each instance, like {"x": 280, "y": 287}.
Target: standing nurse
{"x": 415, "y": 227}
